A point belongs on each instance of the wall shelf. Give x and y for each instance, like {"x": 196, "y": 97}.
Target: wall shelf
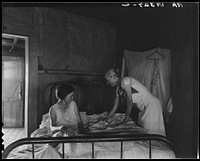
{"x": 71, "y": 72}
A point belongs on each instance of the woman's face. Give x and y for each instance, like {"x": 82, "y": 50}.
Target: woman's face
{"x": 69, "y": 98}
{"x": 112, "y": 79}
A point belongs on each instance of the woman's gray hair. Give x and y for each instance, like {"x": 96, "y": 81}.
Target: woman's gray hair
{"x": 115, "y": 70}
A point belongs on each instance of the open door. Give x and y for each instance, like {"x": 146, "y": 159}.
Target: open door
{"x": 13, "y": 91}
{"x": 15, "y": 79}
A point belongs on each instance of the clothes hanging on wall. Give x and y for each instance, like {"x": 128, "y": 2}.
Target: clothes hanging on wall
{"x": 154, "y": 74}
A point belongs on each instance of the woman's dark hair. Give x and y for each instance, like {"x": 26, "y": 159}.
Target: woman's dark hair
{"x": 63, "y": 90}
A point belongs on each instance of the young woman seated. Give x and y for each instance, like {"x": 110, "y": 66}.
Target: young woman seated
{"x": 64, "y": 115}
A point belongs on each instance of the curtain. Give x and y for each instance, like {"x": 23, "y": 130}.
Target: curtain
{"x": 154, "y": 74}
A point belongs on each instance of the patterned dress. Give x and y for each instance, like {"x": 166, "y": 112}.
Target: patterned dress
{"x": 150, "y": 116}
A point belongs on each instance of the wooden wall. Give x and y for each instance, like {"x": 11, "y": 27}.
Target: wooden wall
{"x": 184, "y": 51}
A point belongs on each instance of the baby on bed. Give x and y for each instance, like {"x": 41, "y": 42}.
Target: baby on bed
{"x": 64, "y": 115}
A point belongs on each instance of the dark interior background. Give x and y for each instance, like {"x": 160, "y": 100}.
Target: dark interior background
{"x": 138, "y": 29}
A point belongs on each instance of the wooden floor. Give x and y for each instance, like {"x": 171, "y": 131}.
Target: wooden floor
{"x": 12, "y": 134}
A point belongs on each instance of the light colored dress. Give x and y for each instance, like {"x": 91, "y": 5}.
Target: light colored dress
{"x": 66, "y": 117}
{"x": 150, "y": 116}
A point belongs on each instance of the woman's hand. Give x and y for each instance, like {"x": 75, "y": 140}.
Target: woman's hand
{"x": 56, "y": 134}
{"x": 82, "y": 129}
{"x": 125, "y": 120}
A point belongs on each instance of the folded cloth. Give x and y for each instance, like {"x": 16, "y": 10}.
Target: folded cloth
{"x": 98, "y": 124}
{"x": 48, "y": 152}
{"x": 41, "y": 132}
{"x": 101, "y": 125}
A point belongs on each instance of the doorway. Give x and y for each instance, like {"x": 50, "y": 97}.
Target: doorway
{"x": 14, "y": 87}
{"x": 12, "y": 91}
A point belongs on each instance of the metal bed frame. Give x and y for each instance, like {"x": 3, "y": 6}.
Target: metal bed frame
{"x": 89, "y": 137}
{"x": 75, "y": 84}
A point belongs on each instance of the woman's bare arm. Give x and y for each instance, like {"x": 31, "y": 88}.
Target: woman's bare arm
{"x": 79, "y": 119}
{"x": 111, "y": 113}
{"x": 53, "y": 125}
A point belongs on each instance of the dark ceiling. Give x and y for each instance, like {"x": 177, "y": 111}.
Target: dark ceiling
{"x": 111, "y": 11}
{"x": 115, "y": 12}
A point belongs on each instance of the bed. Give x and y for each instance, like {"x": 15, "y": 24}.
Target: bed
{"x": 113, "y": 140}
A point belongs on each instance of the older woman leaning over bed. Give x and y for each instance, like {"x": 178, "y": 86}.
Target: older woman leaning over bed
{"x": 64, "y": 115}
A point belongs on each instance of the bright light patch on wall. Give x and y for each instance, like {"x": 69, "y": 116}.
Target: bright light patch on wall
{"x": 9, "y": 69}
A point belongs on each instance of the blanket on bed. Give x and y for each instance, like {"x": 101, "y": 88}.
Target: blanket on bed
{"x": 114, "y": 124}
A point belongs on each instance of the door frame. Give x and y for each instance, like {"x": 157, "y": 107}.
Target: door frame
{"x": 26, "y": 74}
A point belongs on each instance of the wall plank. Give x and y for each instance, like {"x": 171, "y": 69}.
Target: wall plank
{"x": 15, "y": 23}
